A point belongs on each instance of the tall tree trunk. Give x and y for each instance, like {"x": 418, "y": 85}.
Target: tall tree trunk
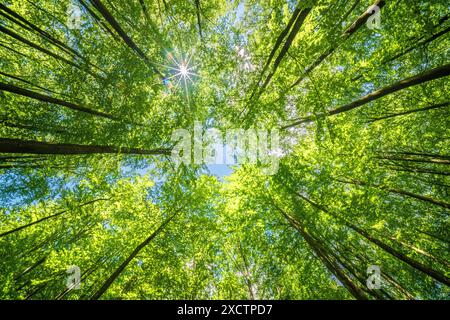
{"x": 130, "y": 43}
{"x": 423, "y": 77}
{"x": 278, "y": 42}
{"x": 417, "y": 170}
{"x": 275, "y": 48}
{"x": 284, "y": 50}
{"x": 408, "y": 158}
{"x": 360, "y": 21}
{"x": 437, "y": 202}
{"x": 417, "y": 43}
{"x": 397, "y": 285}
{"x": 432, "y": 107}
{"x": 316, "y": 247}
{"x": 30, "y": 26}
{"x": 434, "y": 236}
{"x": 421, "y": 42}
{"x": 247, "y": 274}
{"x": 290, "y": 38}
{"x": 420, "y": 251}
{"x": 48, "y": 52}
{"x": 32, "y": 128}
{"x": 349, "y": 11}
{"x": 144, "y": 10}
{"x": 45, "y": 98}
{"x": 29, "y": 82}
{"x": 37, "y": 147}
{"x": 422, "y": 154}
{"x": 384, "y": 274}
{"x": 199, "y": 22}
{"x": 48, "y": 217}
{"x": 124, "y": 264}
{"x": 30, "y": 268}
{"x": 97, "y": 19}
{"x": 437, "y": 275}
{"x": 347, "y": 264}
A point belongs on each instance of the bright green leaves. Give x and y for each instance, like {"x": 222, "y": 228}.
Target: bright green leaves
{"x": 364, "y": 186}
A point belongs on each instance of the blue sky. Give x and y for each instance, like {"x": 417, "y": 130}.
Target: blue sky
{"x": 219, "y": 170}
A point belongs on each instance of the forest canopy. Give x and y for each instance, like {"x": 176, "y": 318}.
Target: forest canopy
{"x": 355, "y": 96}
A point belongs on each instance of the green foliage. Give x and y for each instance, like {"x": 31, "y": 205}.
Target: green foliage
{"x": 367, "y": 185}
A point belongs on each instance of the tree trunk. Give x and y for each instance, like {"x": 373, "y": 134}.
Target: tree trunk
{"x": 130, "y": 43}
{"x": 124, "y": 264}
{"x": 100, "y": 22}
{"x": 439, "y": 276}
{"x": 46, "y": 218}
{"x": 44, "y": 98}
{"x": 278, "y": 42}
{"x": 199, "y": 23}
{"x": 323, "y": 256}
{"x": 30, "y": 26}
{"x": 30, "y": 83}
{"x": 417, "y": 170}
{"x": 435, "y": 106}
{"x": 297, "y": 25}
{"x": 360, "y": 21}
{"x": 247, "y": 274}
{"x": 440, "y": 203}
{"x": 36, "y": 147}
{"x": 48, "y": 52}
{"x": 423, "y": 77}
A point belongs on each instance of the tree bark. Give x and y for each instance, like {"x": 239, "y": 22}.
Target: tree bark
{"x": 45, "y": 98}
{"x": 46, "y": 218}
{"x": 247, "y": 275}
{"x": 199, "y": 22}
{"x": 48, "y": 52}
{"x": 124, "y": 264}
{"x": 278, "y": 42}
{"x": 37, "y": 147}
{"x": 298, "y": 23}
{"x": 439, "y": 276}
{"x": 437, "y": 202}
{"x": 423, "y": 77}
{"x": 435, "y": 106}
{"x": 30, "y": 26}
{"x": 323, "y": 256}
{"x": 360, "y": 21}
{"x": 130, "y": 43}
